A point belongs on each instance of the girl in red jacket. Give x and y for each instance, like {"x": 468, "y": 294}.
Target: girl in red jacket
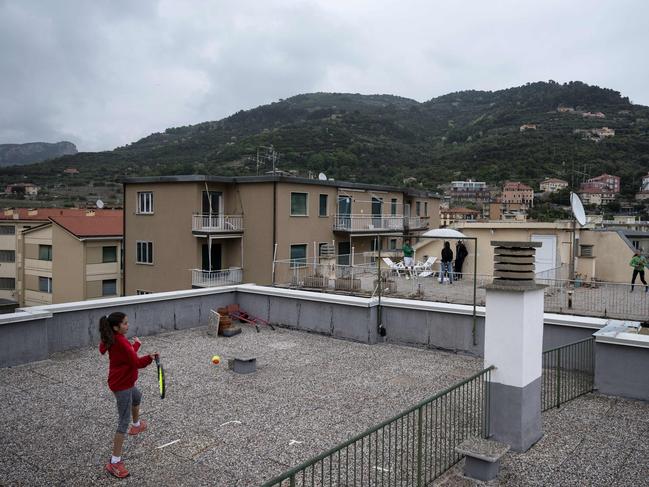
{"x": 122, "y": 374}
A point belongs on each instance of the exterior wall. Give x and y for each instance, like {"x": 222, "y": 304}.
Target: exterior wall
{"x": 612, "y": 256}
{"x": 68, "y": 257}
{"x": 35, "y": 268}
{"x": 97, "y": 272}
{"x": 614, "y": 366}
{"x": 257, "y": 201}
{"x": 170, "y": 230}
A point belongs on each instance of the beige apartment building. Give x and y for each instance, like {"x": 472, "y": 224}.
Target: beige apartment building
{"x": 72, "y": 258}
{"x": 13, "y": 222}
{"x": 197, "y": 231}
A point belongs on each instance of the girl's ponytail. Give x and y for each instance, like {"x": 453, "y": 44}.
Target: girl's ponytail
{"x": 106, "y": 324}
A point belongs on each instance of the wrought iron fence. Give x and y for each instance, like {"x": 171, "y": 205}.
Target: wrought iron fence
{"x": 568, "y": 372}
{"x": 411, "y": 449}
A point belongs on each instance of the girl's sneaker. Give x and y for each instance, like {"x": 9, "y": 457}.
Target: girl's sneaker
{"x": 136, "y": 430}
{"x": 117, "y": 469}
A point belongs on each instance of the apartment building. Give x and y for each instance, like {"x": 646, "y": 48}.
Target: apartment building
{"x": 196, "y": 231}
{"x": 72, "y": 258}
{"x": 552, "y": 185}
{"x": 517, "y": 192}
{"x": 605, "y": 183}
{"x": 13, "y": 222}
{"x": 473, "y": 191}
{"x": 449, "y": 216}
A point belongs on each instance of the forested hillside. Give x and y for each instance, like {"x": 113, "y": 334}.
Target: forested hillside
{"x": 387, "y": 139}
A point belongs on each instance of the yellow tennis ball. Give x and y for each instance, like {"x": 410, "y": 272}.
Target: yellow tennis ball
{"x": 216, "y": 360}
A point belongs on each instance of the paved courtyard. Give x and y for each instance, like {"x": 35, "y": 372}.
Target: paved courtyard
{"x": 310, "y": 392}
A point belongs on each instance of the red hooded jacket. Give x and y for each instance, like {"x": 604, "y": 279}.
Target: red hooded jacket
{"x": 124, "y": 362}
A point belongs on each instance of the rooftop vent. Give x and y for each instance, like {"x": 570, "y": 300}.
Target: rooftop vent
{"x": 514, "y": 263}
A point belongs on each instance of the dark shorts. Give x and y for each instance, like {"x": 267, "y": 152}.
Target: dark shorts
{"x": 125, "y": 401}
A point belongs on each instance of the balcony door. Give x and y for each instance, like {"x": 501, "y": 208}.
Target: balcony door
{"x": 213, "y": 263}
{"x": 344, "y": 211}
{"x": 377, "y": 205}
{"x": 212, "y": 202}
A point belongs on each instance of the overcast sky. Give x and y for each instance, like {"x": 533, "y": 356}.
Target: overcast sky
{"x": 103, "y": 73}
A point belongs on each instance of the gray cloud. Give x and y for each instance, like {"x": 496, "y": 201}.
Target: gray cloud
{"x": 105, "y": 73}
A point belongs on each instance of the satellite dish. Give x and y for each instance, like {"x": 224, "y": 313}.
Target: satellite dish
{"x": 99, "y": 204}
{"x": 577, "y": 209}
{"x": 322, "y": 176}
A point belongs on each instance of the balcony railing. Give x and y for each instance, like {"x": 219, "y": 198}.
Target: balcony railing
{"x": 204, "y": 222}
{"x": 368, "y": 223}
{"x": 223, "y": 277}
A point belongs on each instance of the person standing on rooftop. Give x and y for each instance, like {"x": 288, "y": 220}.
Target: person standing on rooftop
{"x": 638, "y": 262}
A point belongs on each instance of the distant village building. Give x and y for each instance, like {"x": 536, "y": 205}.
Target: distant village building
{"x": 527, "y": 126}
{"x": 643, "y": 194}
{"x": 565, "y": 109}
{"x": 600, "y": 190}
{"x": 593, "y": 115}
{"x": 473, "y": 191}
{"x": 498, "y": 210}
{"x": 71, "y": 170}
{"x": 517, "y": 192}
{"x": 449, "y": 216}
{"x": 552, "y": 185}
{"x": 595, "y": 135}
{"x": 28, "y": 189}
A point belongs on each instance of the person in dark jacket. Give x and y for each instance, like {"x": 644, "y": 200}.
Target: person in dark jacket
{"x": 447, "y": 263}
{"x": 460, "y": 254}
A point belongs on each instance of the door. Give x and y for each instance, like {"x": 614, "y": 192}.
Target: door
{"x": 377, "y": 204}
{"x": 546, "y": 255}
{"x": 211, "y": 202}
{"x": 344, "y": 211}
{"x": 344, "y": 249}
{"x": 215, "y": 257}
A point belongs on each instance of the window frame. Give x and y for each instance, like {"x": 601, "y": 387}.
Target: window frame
{"x": 326, "y": 205}
{"x": 12, "y": 279}
{"x": 143, "y": 200}
{"x": 306, "y": 204}
{"x": 7, "y": 230}
{"x": 393, "y": 206}
{"x": 417, "y": 208}
{"x": 48, "y": 284}
{"x": 11, "y": 256}
{"x": 42, "y": 247}
{"x": 296, "y": 263}
{"x": 149, "y": 252}
{"x": 103, "y": 254}
{"x": 103, "y": 291}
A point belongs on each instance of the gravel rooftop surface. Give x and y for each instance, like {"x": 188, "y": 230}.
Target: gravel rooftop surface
{"x": 309, "y": 393}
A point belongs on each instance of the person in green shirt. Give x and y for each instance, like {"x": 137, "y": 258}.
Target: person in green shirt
{"x": 638, "y": 262}
{"x": 408, "y": 254}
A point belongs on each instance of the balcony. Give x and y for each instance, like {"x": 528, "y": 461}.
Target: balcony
{"x": 378, "y": 223}
{"x": 223, "y": 277}
{"x": 204, "y": 223}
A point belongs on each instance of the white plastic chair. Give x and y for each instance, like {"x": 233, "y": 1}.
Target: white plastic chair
{"x": 394, "y": 267}
{"x": 425, "y": 269}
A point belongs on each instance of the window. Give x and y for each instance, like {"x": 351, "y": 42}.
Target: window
{"x": 323, "y": 205}
{"x": 109, "y": 254}
{"x": 142, "y": 291}
{"x": 374, "y": 245}
{"x": 145, "y": 202}
{"x": 7, "y": 230}
{"x": 299, "y": 204}
{"x": 45, "y": 284}
{"x": 44, "y": 252}
{"x": 425, "y": 208}
{"x": 586, "y": 251}
{"x": 393, "y": 244}
{"x": 109, "y": 287}
{"x": 7, "y": 256}
{"x": 298, "y": 255}
{"x": 393, "y": 207}
{"x": 418, "y": 208}
{"x": 144, "y": 254}
{"x": 7, "y": 283}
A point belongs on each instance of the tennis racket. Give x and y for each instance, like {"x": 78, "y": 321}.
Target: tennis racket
{"x": 161, "y": 378}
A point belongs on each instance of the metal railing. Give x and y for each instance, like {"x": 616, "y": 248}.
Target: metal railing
{"x": 559, "y": 272}
{"x": 596, "y": 298}
{"x": 223, "y": 277}
{"x": 568, "y": 372}
{"x": 367, "y": 223}
{"x": 204, "y": 222}
{"x": 411, "y": 449}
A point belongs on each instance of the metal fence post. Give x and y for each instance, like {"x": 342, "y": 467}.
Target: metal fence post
{"x": 419, "y": 445}
{"x": 559, "y": 377}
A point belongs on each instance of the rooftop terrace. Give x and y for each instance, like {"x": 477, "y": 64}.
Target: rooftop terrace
{"x": 309, "y": 393}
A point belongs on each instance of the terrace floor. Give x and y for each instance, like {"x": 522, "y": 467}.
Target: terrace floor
{"x": 309, "y": 393}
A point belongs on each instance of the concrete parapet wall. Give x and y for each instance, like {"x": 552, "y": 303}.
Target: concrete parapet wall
{"x": 34, "y": 333}
{"x": 621, "y": 370}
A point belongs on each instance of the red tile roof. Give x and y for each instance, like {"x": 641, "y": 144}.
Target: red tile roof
{"x": 92, "y": 226}
{"x": 43, "y": 214}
